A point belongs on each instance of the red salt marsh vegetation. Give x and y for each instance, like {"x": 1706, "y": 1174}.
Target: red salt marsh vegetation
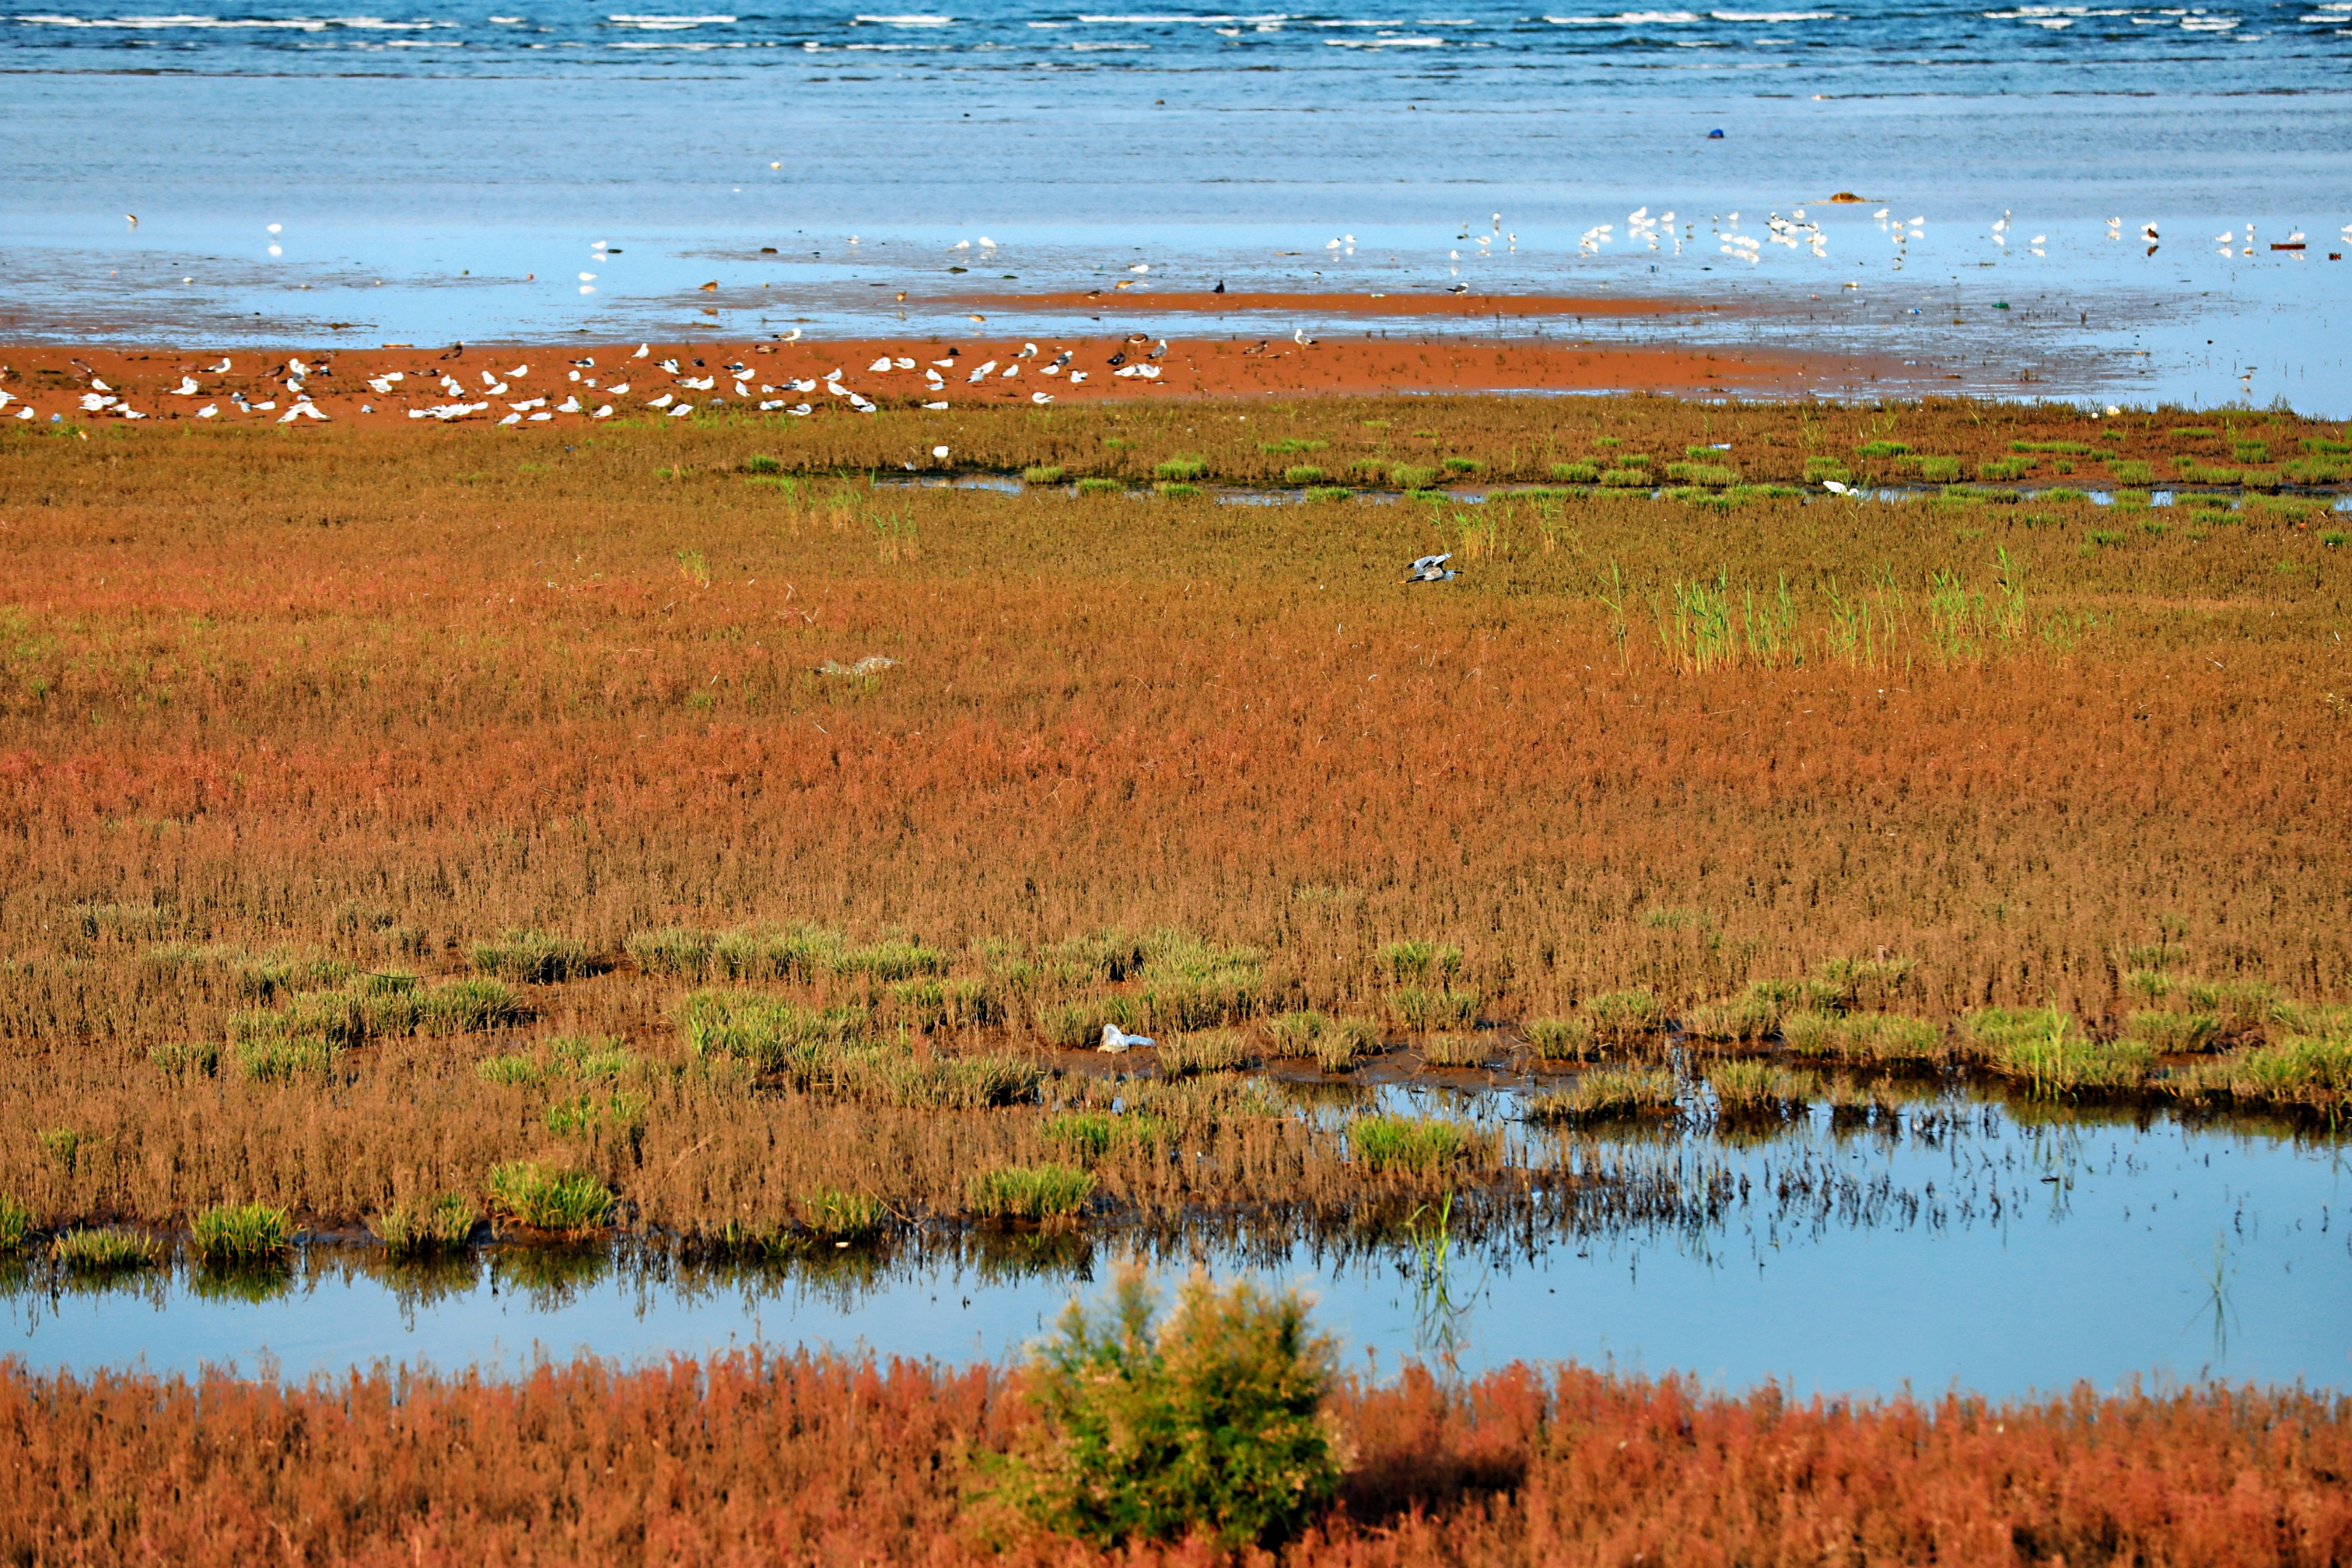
{"x": 750, "y": 1458}
{"x": 394, "y": 816}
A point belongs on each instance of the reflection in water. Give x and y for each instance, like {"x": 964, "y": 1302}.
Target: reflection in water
{"x": 1911, "y": 1238}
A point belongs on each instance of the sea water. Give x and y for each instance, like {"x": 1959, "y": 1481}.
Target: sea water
{"x": 447, "y": 171}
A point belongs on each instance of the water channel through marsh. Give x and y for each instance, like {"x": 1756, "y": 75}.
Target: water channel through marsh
{"x": 1946, "y": 1242}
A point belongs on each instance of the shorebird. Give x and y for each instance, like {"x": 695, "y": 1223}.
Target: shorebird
{"x": 1116, "y": 1039}
{"x": 1431, "y": 569}
{"x": 1836, "y": 489}
{"x": 1299, "y": 335}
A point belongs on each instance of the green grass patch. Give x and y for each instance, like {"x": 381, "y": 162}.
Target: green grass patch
{"x": 1419, "y": 1145}
{"x": 535, "y": 958}
{"x": 1608, "y": 1094}
{"x": 561, "y": 1202}
{"x": 426, "y": 1228}
{"x": 86, "y": 1251}
{"x": 241, "y": 1233}
{"x": 1035, "y": 1192}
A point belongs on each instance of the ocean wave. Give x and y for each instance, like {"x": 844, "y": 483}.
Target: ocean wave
{"x": 1774, "y": 16}
{"x": 1629, "y": 19}
{"x": 664, "y": 24}
{"x": 910, "y": 21}
{"x": 225, "y": 24}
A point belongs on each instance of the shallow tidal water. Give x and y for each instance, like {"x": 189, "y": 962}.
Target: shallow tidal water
{"x": 1955, "y": 1245}
{"x": 445, "y": 173}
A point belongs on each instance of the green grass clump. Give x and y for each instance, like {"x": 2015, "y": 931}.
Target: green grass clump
{"x": 563, "y": 1203}
{"x": 86, "y": 1250}
{"x": 511, "y": 1070}
{"x": 1715, "y": 474}
{"x": 1181, "y": 467}
{"x": 1753, "y": 1014}
{"x": 241, "y": 1233}
{"x": 1624, "y": 1018}
{"x": 843, "y": 1218}
{"x": 2302, "y": 1070}
{"x": 1327, "y": 493}
{"x": 1100, "y": 487}
{"x": 16, "y": 1223}
{"x": 2069, "y": 448}
{"x": 1820, "y": 468}
{"x": 422, "y": 1229}
{"x": 285, "y": 1061}
{"x": 470, "y": 1006}
{"x": 1210, "y": 1424}
{"x": 586, "y": 1115}
{"x": 2000, "y": 468}
{"x": 761, "y": 463}
{"x": 2132, "y": 471}
{"x": 896, "y": 959}
{"x": 1882, "y": 449}
{"x": 187, "y": 1058}
{"x": 535, "y": 958}
{"x": 1089, "y": 1135}
{"x": 1419, "y": 1008}
{"x": 946, "y": 1083}
{"x": 1608, "y": 1094}
{"x": 1420, "y": 963}
{"x": 1042, "y": 474}
{"x": 1560, "y": 1039}
{"x": 1457, "y": 1050}
{"x": 1336, "y": 1044}
{"x": 1205, "y": 1051}
{"x": 1411, "y": 477}
{"x": 1304, "y": 474}
{"x": 1043, "y": 1192}
{"x": 1583, "y": 471}
{"x": 1939, "y": 471}
{"x": 2174, "y": 1034}
{"x": 768, "y": 1032}
{"x": 1411, "y": 1143}
{"x": 2047, "y": 1050}
{"x": 1862, "y": 1036}
{"x": 1753, "y": 1087}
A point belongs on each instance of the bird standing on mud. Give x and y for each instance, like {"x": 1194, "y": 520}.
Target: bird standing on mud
{"x": 1116, "y": 1039}
{"x": 1431, "y": 569}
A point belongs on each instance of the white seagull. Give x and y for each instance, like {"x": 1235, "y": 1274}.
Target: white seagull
{"x": 1431, "y": 569}
{"x": 1116, "y": 1039}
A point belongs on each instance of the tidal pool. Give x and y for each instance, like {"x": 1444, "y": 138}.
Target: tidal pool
{"x": 1948, "y": 1243}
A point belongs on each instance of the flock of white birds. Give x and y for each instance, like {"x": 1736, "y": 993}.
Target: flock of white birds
{"x": 593, "y": 393}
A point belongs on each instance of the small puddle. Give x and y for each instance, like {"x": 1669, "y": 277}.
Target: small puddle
{"x": 1940, "y": 1242}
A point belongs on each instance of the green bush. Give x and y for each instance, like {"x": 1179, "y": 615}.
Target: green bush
{"x": 1304, "y": 474}
{"x": 1715, "y": 474}
{"x": 1099, "y": 487}
{"x": 418, "y": 1230}
{"x": 1181, "y": 466}
{"x": 1029, "y": 1192}
{"x": 1411, "y": 477}
{"x": 1880, "y": 449}
{"x": 1582, "y": 472}
{"x": 1042, "y": 474}
{"x": 1212, "y": 1423}
{"x": 241, "y": 1233}
{"x": 1939, "y": 471}
{"x": 563, "y": 1203}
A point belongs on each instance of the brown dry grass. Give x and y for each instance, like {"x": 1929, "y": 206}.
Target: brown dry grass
{"x": 749, "y": 1459}
{"x": 388, "y": 693}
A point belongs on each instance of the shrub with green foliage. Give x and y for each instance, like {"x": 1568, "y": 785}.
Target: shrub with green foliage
{"x": 1624, "y": 1018}
{"x": 1559, "y": 1040}
{"x": 1213, "y": 1423}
